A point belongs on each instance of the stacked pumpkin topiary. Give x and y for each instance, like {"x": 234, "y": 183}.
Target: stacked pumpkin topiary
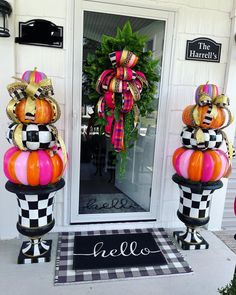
{"x": 35, "y": 165}
{"x": 200, "y": 164}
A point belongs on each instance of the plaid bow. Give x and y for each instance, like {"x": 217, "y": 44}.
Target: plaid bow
{"x": 30, "y": 91}
{"x": 204, "y": 99}
{"x": 124, "y": 80}
{"x": 22, "y": 89}
{"x": 220, "y": 100}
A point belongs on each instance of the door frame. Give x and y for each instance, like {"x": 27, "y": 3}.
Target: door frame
{"x": 161, "y": 134}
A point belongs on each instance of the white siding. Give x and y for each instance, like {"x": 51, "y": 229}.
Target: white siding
{"x": 210, "y": 18}
{"x": 8, "y": 208}
{"x": 48, "y": 60}
{"x": 195, "y": 19}
{"x": 229, "y": 220}
{"x": 51, "y": 61}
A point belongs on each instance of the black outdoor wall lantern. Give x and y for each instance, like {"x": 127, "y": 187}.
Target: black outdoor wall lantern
{"x": 40, "y": 32}
{"x": 5, "y": 11}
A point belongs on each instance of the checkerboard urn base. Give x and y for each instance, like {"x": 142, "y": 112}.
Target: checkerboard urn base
{"x": 45, "y": 257}
{"x": 35, "y": 219}
{"x": 180, "y": 237}
{"x": 195, "y": 199}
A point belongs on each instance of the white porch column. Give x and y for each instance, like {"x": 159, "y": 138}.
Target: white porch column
{"x": 217, "y": 207}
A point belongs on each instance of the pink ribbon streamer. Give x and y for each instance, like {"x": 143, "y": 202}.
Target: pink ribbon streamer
{"x": 124, "y": 80}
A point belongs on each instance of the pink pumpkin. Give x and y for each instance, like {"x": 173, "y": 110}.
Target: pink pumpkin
{"x": 33, "y": 76}
{"x": 209, "y": 89}
{"x": 33, "y": 168}
{"x": 201, "y": 166}
{"x": 235, "y": 206}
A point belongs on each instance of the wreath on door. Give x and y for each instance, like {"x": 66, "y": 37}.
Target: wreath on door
{"x": 121, "y": 81}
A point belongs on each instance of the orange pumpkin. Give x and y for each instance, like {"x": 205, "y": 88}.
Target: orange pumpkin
{"x": 216, "y": 122}
{"x": 34, "y": 168}
{"x": 43, "y": 114}
{"x": 201, "y": 166}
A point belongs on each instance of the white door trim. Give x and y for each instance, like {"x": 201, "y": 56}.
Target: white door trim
{"x": 74, "y": 112}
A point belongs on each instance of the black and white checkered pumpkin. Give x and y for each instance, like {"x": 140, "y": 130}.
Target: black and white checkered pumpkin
{"x": 10, "y": 132}
{"x": 33, "y": 136}
{"x": 213, "y": 138}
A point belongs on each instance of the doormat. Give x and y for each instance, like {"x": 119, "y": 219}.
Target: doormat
{"x": 120, "y": 250}
{"x": 65, "y": 274}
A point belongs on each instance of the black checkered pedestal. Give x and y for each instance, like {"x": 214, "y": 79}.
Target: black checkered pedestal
{"x": 195, "y": 198}
{"x": 35, "y": 219}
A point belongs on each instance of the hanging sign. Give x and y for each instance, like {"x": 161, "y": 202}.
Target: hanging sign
{"x": 203, "y": 49}
{"x": 40, "y": 32}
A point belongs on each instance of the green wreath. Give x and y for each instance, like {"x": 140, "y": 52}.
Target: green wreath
{"x": 98, "y": 62}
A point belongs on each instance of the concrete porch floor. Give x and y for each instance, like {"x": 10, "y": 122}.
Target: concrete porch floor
{"x": 213, "y": 268}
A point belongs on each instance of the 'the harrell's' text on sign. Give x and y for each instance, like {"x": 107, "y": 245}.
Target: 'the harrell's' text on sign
{"x": 203, "y": 49}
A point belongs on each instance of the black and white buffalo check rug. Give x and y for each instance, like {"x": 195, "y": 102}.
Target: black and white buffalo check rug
{"x": 65, "y": 274}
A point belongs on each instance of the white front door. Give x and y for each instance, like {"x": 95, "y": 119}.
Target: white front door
{"x": 98, "y": 193}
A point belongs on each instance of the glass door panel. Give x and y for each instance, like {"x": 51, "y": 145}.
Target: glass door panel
{"x": 102, "y": 190}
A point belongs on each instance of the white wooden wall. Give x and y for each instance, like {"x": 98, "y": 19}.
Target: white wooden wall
{"x": 8, "y": 208}
{"x": 229, "y": 219}
{"x": 48, "y": 60}
{"x": 208, "y": 18}
{"x": 195, "y": 18}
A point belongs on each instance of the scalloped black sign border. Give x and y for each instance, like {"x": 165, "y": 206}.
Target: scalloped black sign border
{"x": 203, "y": 49}
{"x": 40, "y": 32}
